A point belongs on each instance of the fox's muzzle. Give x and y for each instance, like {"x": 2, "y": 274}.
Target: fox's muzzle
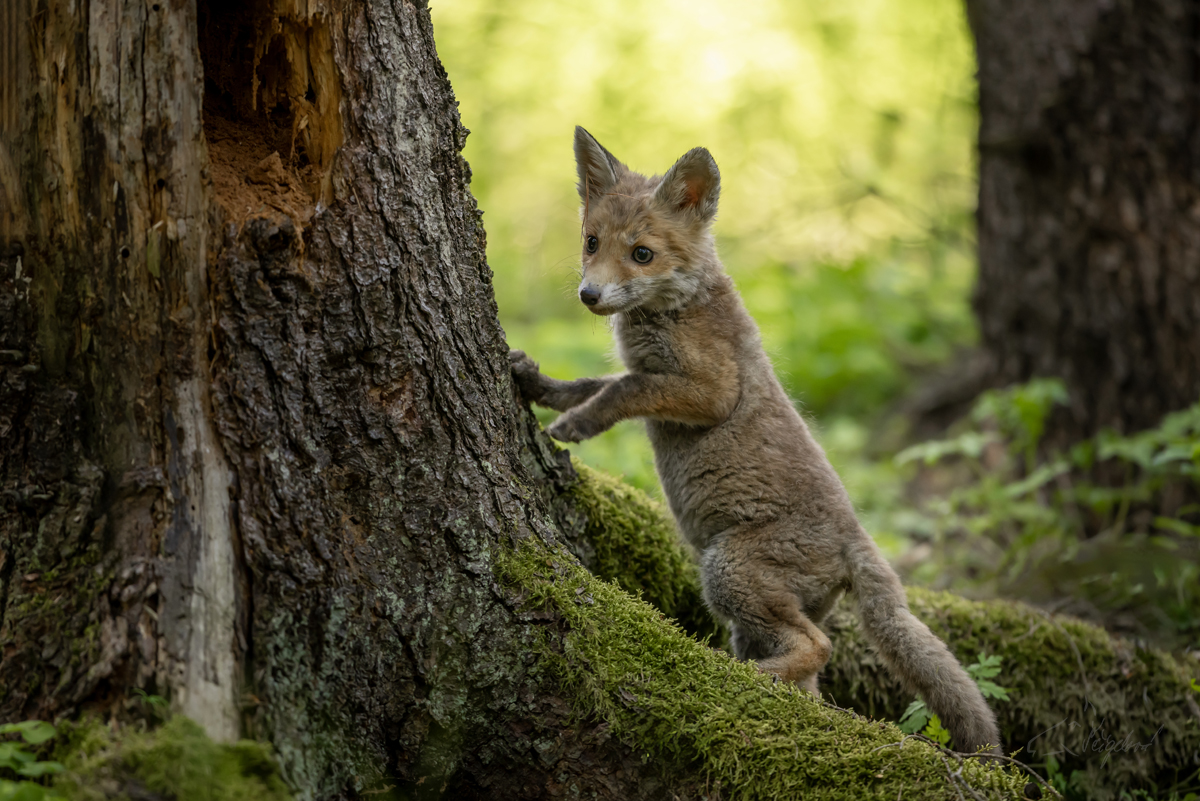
{"x": 589, "y": 295}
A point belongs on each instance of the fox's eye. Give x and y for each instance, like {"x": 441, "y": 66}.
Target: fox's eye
{"x": 592, "y": 244}
{"x": 642, "y": 255}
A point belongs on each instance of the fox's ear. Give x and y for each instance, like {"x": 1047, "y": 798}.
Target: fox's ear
{"x": 598, "y": 169}
{"x": 692, "y": 184}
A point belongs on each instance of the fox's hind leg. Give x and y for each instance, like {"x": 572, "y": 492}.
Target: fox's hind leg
{"x": 767, "y": 619}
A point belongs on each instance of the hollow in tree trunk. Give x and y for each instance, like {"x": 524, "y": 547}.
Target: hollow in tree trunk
{"x": 260, "y": 452}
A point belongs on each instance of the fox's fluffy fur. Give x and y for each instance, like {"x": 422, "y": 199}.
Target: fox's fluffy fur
{"x": 749, "y": 487}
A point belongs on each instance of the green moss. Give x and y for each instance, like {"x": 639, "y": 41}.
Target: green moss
{"x": 1124, "y": 717}
{"x": 636, "y": 546}
{"x": 705, "y": 715}
{"x": 1118, "y": 716}
{"x": 176, "y": 760}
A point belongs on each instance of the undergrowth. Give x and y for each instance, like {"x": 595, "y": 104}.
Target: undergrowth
{"x": 22, "y": 772}
{"x": 175, "y": 760}
{"x": 94, "y": 761}
{"x": 1112, "y": 521}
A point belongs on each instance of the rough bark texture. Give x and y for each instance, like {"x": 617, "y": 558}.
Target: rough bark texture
{"x": 261, "y": 452}
{"x": 258, "y": 435}
{"x": 1089, "y": 231}
{"x": 114, "y": 487}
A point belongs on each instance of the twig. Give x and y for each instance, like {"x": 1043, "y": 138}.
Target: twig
{"x": 961, "y": 756}
{"x": 901, "y": 742}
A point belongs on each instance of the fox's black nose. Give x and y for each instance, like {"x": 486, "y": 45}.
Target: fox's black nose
{"x": 589, "y": 295}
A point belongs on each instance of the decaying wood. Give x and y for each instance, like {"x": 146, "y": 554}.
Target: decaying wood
{"x": 260, "y": 444}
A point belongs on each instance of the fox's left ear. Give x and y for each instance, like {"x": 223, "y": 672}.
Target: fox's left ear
{"x": 693, "y": 184}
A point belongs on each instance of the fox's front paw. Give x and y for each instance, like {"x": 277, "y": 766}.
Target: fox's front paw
{"x": 527, "y": 375}
{"x": 573, "y": 428}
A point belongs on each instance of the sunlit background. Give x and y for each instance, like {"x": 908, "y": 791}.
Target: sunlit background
{"x": 844, "y": 134}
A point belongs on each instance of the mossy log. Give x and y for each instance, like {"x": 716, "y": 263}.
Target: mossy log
{"x": 704, "y": 716}
{"x": 1113, "y": 715}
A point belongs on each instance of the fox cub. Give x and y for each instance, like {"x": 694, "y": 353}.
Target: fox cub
{"x": 749, "y": 487}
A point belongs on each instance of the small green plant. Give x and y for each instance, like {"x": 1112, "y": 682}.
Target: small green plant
{"x": 1095, "y": 522}
{"x": 16, "y": 759}
{"x": 158, "y": 707}
{"x": 983, "y": 671}
{"x": 934, "y": 731}
{"x": 918, "y": 717}
{"x": 1069, "y": 786}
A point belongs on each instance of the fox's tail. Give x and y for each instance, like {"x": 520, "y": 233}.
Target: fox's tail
{"x": 916, "y": 656}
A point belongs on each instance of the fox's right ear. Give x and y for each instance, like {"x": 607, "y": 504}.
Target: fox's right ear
{"x": 598, "y": 169}
{"x": 692, "y": 185}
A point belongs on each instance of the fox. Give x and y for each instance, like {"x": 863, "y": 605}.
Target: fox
{"x": 750, "y": 489}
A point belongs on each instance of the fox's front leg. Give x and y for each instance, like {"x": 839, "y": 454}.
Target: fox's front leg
{"x": 550, "y": 392}
{"x": 674, "y": 398}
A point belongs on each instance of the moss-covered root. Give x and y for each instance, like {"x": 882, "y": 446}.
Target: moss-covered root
{"x": 711, "y": 721}
{"x": 176, "y": 761}
{"x": 636, "y": 546}
{"x": 1124, "y": 717}
{"x": 1115, "y": 717}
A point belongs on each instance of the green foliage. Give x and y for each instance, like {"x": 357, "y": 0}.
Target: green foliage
{"x": 983, "y": 671}
{"x": 915, "y": 717}
{"x": 845, "y": 136}
{"x": 156, "y": 706}
{"x": 16, "y": 760}
{"x": 1020, "y": 413}
{"x": 918, "y": 718}
{"x": 695, "y": 709}
{"x": 1093, "y": 522}
{"x": 1071, "y": 786}
{"x": 934, "y": 731}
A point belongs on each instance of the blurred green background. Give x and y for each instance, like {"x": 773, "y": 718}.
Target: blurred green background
{"x": 845, "y": 137}
{"x": 845, "y": 134}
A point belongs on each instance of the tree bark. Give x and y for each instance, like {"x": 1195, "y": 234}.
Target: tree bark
{"x": 261, "y": 450}
{"x": 260, "y": 443}
{"x": 1089, "y": 237}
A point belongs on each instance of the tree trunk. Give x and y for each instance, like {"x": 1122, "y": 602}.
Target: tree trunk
{"x": 259, "y": 438}
{"x": 261, "y": 450}
{"x": 1089, "y": 236}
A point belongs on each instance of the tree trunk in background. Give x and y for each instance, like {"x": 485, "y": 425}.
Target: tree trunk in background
{"x": 1089, "y": 202}
{"x": 259, "y": 442}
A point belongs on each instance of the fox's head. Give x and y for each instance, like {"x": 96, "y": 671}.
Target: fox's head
{"x": 646, "y": 241}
